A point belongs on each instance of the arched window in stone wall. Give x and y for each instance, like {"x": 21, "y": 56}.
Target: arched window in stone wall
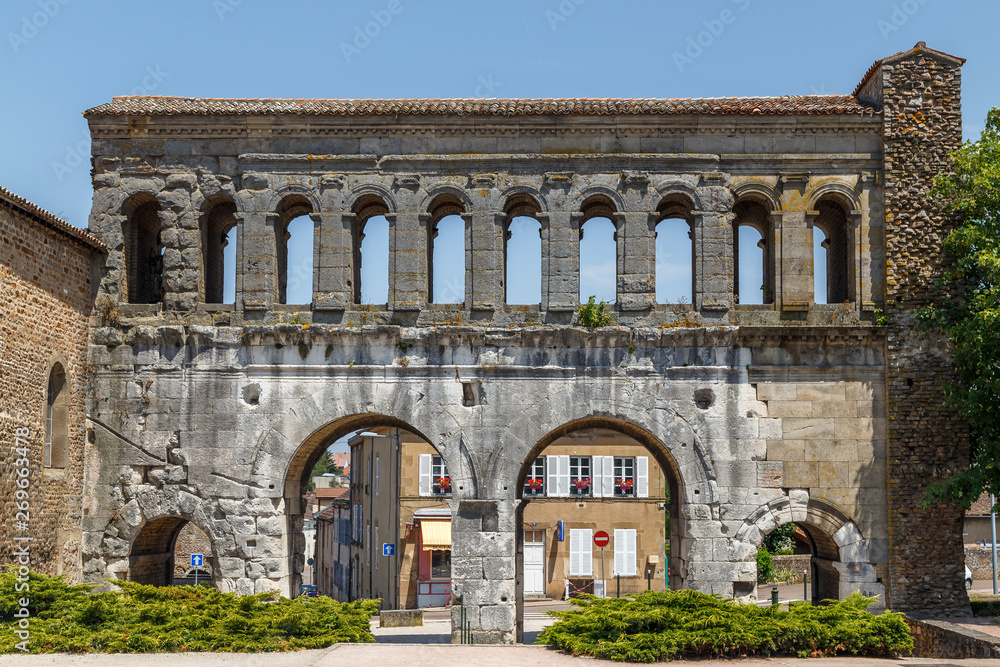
{"x": 598, "y": 250}
{"x": 144, "y": 254}
{"x": 522, "y": 251}
{"x": 218, "y": 232}
{"x": 753, "y": 254}
{"x": 674, "y": 248}
{"x": 370, "y": 251}
{"x": 56, "y": 450}
{"x": 295, "y": 232}
{"x": 832, "y": 265}
{"x": 446, "y": 251}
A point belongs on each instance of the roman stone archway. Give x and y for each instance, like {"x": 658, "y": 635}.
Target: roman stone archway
{"x": 841, "y": 559}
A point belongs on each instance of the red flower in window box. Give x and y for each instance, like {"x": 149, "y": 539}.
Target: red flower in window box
{"x": 534, "y": 483}
{"x": 625, "y": 484}
{"x": 444, "y": 483}
{"x": 581, "y": 483}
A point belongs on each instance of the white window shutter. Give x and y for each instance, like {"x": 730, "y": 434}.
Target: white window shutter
{"x": 642, "y": 476}
{"x": 552, "y": 476}
{"x": 630, "y": 565}
{"x": 581, "y": 557}
{"x": 608, "y": 479}
{"x": 563, "y": 476}
{"x": 620, "y": 551}
{"x": 425, "y": 475}
{"x": 597, "y": 474}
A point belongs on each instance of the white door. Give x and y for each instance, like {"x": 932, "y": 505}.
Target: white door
{"x": 534, "y": 562}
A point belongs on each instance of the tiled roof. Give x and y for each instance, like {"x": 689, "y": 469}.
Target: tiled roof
{"x": 198, "y": 106}
{"x": 334, "y": 492}
{"x": 39, "y": 214}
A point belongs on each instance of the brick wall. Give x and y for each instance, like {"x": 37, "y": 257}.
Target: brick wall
{"x": 45, "y": 303}
{"x": 927, "y": 442}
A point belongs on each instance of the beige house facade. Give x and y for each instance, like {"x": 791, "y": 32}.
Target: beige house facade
{"x": 585, "y": 482}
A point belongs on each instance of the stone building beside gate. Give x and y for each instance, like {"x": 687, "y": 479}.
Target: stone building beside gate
{"x": 827, "y": 415}
{"x": 46, "y": 300}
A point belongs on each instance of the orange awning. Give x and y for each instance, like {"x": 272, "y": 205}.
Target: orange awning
{"x": 435, "y": 535}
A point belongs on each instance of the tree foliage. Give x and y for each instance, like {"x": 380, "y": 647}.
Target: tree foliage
{"x": 148, "y": 619}
{"x": 656, "y": 626}
{"x": 323, "y": 466}
{"x": 970, "y": 316}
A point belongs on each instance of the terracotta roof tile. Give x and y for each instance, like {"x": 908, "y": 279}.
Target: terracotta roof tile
{"x": 335, "y": 492}
{"x": 39, "y": 214}
{"x": 198, "y": 106}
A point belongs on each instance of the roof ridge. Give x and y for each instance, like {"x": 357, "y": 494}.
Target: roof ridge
{"x": 40, "y": 214}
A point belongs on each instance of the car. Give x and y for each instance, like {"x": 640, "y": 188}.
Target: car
{"x": 968, "y": 578}
{"x": 309, "y": 590}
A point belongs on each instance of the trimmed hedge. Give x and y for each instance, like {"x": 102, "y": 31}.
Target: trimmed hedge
{"x": 985, "y": 607}
{"x": 152, "y": 619}
{"x": 673, "y": 624}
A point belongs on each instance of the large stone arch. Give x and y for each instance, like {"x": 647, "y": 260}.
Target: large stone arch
{"x": 663, "y": 430}
{"x": 842, "y": 559}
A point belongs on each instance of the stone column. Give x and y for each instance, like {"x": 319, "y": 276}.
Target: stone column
{"x": 636, "y": 260}
{"x": 259, "y": 262}
{"x": 408, "y": 265}
{"x": 483, "y": 571}
{"x": 333, "y": 264}
{"x": 180, "y": 235}
{"x": 484, "y": 260}
{"x": 560, "y": 261}
{"x": 793, "y": 240}
{"x": 713, "y": 261}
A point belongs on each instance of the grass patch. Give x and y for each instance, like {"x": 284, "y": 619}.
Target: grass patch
{"x": 674, "y": 624}
{"x": 152, "y": 619}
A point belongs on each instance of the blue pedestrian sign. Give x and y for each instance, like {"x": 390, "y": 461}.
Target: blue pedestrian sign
{"x": 388, "y": 549}
{"x": 197, "y": 560}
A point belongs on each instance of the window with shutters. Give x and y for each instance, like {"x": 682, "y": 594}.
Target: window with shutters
{"x": 581, "y": 559}
{"x": 534, "y": 484}
{"x": 441, "y": 483}
{"x": 625, "y": 552}
{"x": 624, "y": 476}
{"x": 579, "y": 476}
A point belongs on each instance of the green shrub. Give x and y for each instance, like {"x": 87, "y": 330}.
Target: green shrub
{"x": 986, "y": 607}
{"x": 592, "y": 315}
{"x": 765, "y": 568}
{"x": 146, "y": 619}
{"x": 673, "y": 624}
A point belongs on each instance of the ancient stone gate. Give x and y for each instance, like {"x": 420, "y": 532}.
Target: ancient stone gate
{"x": 788, "y": 411}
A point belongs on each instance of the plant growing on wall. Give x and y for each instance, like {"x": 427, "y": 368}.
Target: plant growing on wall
{"x": 970, "y": 313}
{"x": 593, "y": 315}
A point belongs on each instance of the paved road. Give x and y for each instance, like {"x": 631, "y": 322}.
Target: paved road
{"x": 390, "y": 655}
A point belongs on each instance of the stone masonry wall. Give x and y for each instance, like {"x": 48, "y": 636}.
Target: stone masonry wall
{"x": 921, "y": 93}
{"x": 45, "y": 302}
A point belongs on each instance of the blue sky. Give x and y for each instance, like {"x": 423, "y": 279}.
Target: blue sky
{"x": 60, "y": 57}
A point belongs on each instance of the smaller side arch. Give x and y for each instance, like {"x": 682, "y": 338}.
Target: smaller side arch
{"x": 841, "y": 560}
{"x": 600, "y": 201}
{"x": 293, "y": 192}
{"x": 369, "y": 191}
{"x": 760, "y": 193}
{"x": 441, "y": 192}
{"x": 840, "y": 193}
{"x": 673, "y": 188}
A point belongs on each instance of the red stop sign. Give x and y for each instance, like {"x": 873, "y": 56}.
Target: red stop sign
{"x": 602, "y": 539}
